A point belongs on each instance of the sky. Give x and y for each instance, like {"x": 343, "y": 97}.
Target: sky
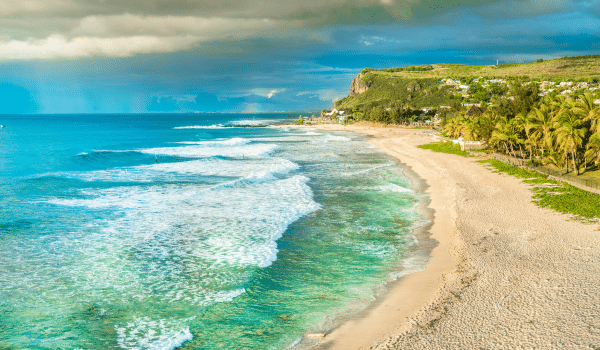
{"x": 185, "y": 56}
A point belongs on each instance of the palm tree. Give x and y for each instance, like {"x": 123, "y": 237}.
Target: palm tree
{"x": 593, "y": 149}
{"x": 518, "y": 134}
{"x": 539, "y": 127}
{"x": 556, "y": 158}
{"x": 554, "y": 102}
{"x": 499, "y": 138}
{"x": 586, "y": 109}
{"x": 453, "y": 128}
{"x": 570, "y": 134}
{"x": 507, "y": 134}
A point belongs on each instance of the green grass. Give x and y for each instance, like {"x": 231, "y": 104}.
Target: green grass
{"x": 444, "y": 147}
{"x": 559, "y": 196}
{"x": 513, "y": 170}
{"x": 566, "y": 68}
{"x": 480, "y": 150}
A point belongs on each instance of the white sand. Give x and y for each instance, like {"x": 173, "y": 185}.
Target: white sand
{"x": 505, "y": 275}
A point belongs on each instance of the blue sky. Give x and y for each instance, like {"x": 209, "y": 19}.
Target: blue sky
{"x": 140, "y": 56}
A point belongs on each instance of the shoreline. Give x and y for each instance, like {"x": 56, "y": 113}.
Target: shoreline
{"x": 504, "y": 272}
{"x": 364, "y": 329}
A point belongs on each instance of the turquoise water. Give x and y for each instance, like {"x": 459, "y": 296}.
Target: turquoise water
{"x": 165, "y": 231}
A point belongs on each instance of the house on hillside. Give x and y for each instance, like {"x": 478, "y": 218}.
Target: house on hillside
{"x": 476, "y": 110}
{"x": 334, "y": 112}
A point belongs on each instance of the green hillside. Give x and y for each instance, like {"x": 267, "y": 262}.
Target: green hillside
{"x": 437, "y": 85}
{"x": 565, "y": 68}
{"x": 545, "y": 112}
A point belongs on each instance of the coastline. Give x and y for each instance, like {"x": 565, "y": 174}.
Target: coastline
{"x": 504, "y": 272}
{"x": 399, "y": 299}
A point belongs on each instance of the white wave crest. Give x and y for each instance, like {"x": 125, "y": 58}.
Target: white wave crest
{"x": 144, "y": 333}
{"x": 330, "y": 138}
{"x": 187, "y": 171}
{"x": 236, "y": 141}
{"x": 203, "y": 151}
{"x": 368, "y": 170}
{"x": 395, "y": 188}
{"x": 254, "y": 122}
{"x": 216, "y": 126}
{"x": 207, "y": 229}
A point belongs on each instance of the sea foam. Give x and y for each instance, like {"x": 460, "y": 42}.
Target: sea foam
{"x": 187, "y": 171}
{"x": 360, "y": 172}
{"x": 189, "y": 230}
{"x": 395, "y": 188}
{"x": 215, "y": 126}
{"x": 236, "y": 141}
{"x": 202, "y": 151}
{"x": 144, "y": 333}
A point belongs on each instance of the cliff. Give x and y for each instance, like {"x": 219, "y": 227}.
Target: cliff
{"x": 358, "y": 86}
{"x": 370, "y": 88}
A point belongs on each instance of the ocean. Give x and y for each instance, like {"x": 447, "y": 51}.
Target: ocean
{"x": 188, "y": 231}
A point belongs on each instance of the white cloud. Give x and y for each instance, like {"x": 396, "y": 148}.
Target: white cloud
{"x": 58, "y": 46}
{"x": 268, "y": 93}
{"x": 370, "y": 40}
{"x": 12, "y": 7}
{"x": 127, "y": 35}
{"x": 327, "y": 95}
{"x": 128, "y": 24}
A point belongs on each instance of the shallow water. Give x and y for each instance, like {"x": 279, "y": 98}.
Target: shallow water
{"x": 153, "y": 232}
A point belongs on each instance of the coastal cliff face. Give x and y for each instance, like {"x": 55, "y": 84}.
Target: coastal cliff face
{"x": 358, "y": 86}
{"x": 371, "y": 88}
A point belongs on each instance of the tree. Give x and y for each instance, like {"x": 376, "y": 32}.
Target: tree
{"x": 570, "y": 134}
{"x": 539, "y": 127}
{"x": 453, "y": 128}
{"x": 586, "y": 109}
{"x": 592, "y": 152}
{"x": 499, "y": 137}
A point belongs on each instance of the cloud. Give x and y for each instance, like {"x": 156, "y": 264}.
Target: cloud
{"x": 522, "y": 8}
{"x": 370, "y": 40}
{"x": 51, "y": 29}
{"x": 127, "y": 35}
{"x": 57, "y": 46}
{"x": 129, "y": 24}
{"x": 14, "y": 7}
{"x": 268, "y": 93}
{"x": 327, "y": 95}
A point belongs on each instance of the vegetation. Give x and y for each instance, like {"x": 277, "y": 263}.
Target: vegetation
{"x": 561, "y": 131}
{"x": 388, "y": 91}
{"x": 415, "y": 94}
{"x": 580, "y": 68}
{"x": 444, "y": 147}
{"x": 555, "y": 195}
{"x": 543, "y": 111}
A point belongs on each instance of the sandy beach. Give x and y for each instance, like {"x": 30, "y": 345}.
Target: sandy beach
{"x": 505, "y": 274}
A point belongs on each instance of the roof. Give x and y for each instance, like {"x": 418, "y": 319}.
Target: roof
{"x": 476, "y": 110}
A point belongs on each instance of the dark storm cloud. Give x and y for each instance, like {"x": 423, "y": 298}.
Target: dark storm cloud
{"x": 48, "y": 29}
